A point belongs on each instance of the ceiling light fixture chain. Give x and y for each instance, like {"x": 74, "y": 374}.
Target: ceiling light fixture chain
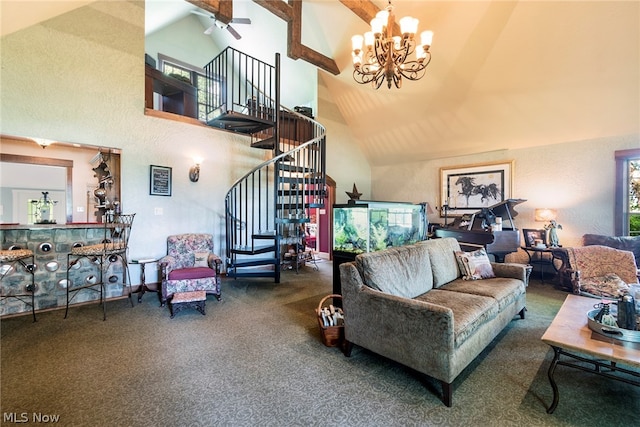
{"x": 384, "y": 56}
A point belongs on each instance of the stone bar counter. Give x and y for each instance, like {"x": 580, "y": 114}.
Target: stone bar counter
{"x": 50, "y": 244}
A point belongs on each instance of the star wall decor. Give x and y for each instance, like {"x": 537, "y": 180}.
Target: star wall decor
{"x": 353, "y": 194}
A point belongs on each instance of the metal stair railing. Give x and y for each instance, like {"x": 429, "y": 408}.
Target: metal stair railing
{"x": 275, "y": 194}
{"x": 238, "y": 83}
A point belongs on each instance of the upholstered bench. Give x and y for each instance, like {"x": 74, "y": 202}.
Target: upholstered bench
{"x": 182, "y": 300}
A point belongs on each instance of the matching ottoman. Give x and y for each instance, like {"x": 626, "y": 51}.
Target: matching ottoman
{"x": 182, "y": 300}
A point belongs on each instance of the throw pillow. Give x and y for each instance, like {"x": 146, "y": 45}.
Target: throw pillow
{"x": 202, "y": 259}
{"x": 474, "y": 265}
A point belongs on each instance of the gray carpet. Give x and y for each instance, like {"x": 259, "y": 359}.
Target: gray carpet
{"x": 257, "y": 359}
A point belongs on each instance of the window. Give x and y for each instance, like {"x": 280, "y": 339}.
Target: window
{"x": 627, "y": 207}
{"x": 196, "y": 77}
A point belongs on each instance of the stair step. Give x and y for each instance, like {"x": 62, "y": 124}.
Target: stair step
{"x": 265, "y": 235}
{"x": 294, "y": 206}
{"x": 239, "y": 122}
{"x": 292, "y": 220}
{"x": 266, "y": 144}
{"x": 285, "y": 167}
{"x": 300, "y": 180}
{"x": 253, "y": 262}
{"x": 300, "y": 192}
{"x": 253, "y": 273}
{"x": 257, "y": 249}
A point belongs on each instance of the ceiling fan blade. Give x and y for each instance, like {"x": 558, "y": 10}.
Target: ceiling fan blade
{"x": 233, "y": 32}
{"x": 210, "y": 29}
{"x": 241, "y": 21}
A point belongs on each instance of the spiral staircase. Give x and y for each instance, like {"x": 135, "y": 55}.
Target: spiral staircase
{"x": 267, "y": 208}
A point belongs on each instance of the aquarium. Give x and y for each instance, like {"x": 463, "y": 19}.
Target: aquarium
{"x": 368, "y": 226}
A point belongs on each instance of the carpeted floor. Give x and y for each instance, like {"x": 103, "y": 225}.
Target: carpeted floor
{"x": 257, "y": 359}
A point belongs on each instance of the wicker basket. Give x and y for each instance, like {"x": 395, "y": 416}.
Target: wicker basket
{"x": 332, "y": 336}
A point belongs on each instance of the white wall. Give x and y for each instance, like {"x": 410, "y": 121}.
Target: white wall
{"x": 183, "y": 40}
{"x": 346, "y": 163}
{"x": 577, "y": 178}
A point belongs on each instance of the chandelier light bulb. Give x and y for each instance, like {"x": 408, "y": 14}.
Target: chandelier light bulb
{"x": 356, "y": 43}
{"x": 426, "y": 37}
{"x": 376, "y": 26}
{"x": 408, "y": 26}
{"x": 421, "y": 54}
{"x": 357, "y": 59}
{"x": 369, "y": 39}
{"x": 383, "y": 16}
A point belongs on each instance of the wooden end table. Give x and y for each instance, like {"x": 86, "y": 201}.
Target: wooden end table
{"x": 569, "y": 335}
{"x": 546, "y": 256}
{"x": 143, "y": 285}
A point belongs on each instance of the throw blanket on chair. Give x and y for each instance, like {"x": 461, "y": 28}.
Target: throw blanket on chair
{"x": 601, "y": 271}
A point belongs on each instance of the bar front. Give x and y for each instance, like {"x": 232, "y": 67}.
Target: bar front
{"x": 50, "y": 244}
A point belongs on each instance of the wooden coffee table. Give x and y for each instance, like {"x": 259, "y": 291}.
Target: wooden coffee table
{"x": 570, "y": 336}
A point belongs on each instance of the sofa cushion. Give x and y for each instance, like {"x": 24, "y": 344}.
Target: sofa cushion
{"x": 474, "y": 265}
{"x": 504, "y": 290}
{"x": 443, "y": 259}
{"x": 403, "y": 271}
{"x": 470, "y": 311}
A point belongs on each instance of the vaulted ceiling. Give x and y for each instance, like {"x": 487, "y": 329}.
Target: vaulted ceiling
{"x": 504, "y": 74}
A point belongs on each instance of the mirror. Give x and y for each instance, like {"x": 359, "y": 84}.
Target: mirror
{"x": 82, "y": 181}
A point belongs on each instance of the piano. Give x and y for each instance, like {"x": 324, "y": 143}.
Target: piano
{"x": 478, "y": 230}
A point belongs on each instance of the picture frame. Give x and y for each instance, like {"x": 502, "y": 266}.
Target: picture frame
{"x": 469, "y": 188}
{"x": 531, "y": 235}
{"x": 159, "y": 180}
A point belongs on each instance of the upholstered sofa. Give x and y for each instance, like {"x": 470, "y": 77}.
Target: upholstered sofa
{"x": 412, "y": 305}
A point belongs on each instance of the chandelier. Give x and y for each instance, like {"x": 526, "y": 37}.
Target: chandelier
{"x": 385, "y": 56}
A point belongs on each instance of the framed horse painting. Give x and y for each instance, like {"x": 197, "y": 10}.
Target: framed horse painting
{"x": 467, "y": 189}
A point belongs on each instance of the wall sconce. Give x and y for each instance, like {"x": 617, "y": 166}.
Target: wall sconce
{"x": 194, "y": 172}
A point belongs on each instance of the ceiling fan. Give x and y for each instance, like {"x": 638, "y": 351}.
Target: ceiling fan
{"x": 222, "y": 25}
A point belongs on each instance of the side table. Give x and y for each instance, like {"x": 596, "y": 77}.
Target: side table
{"x": 143, "y": 286}
{"x": 544, "y": 256}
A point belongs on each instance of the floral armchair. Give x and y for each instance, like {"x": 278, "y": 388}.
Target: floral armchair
{"x": 190, "y": 265}
{"x": 600, "y": 271}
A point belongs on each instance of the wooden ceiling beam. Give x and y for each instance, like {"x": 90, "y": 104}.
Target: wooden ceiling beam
{"x": 279, "y": 8}
{"x": 366, "y": 11}
{"x": 221, "y": 9}
{"x": 299, "y": 50}
{"x": 291, "y": 13}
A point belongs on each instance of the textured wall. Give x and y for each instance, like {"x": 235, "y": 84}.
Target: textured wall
{"x": 576, "y": 178}
{"x": 346, "y": 163}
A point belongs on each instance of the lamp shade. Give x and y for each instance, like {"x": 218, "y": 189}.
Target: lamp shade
{"x": 545, "y": 214}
